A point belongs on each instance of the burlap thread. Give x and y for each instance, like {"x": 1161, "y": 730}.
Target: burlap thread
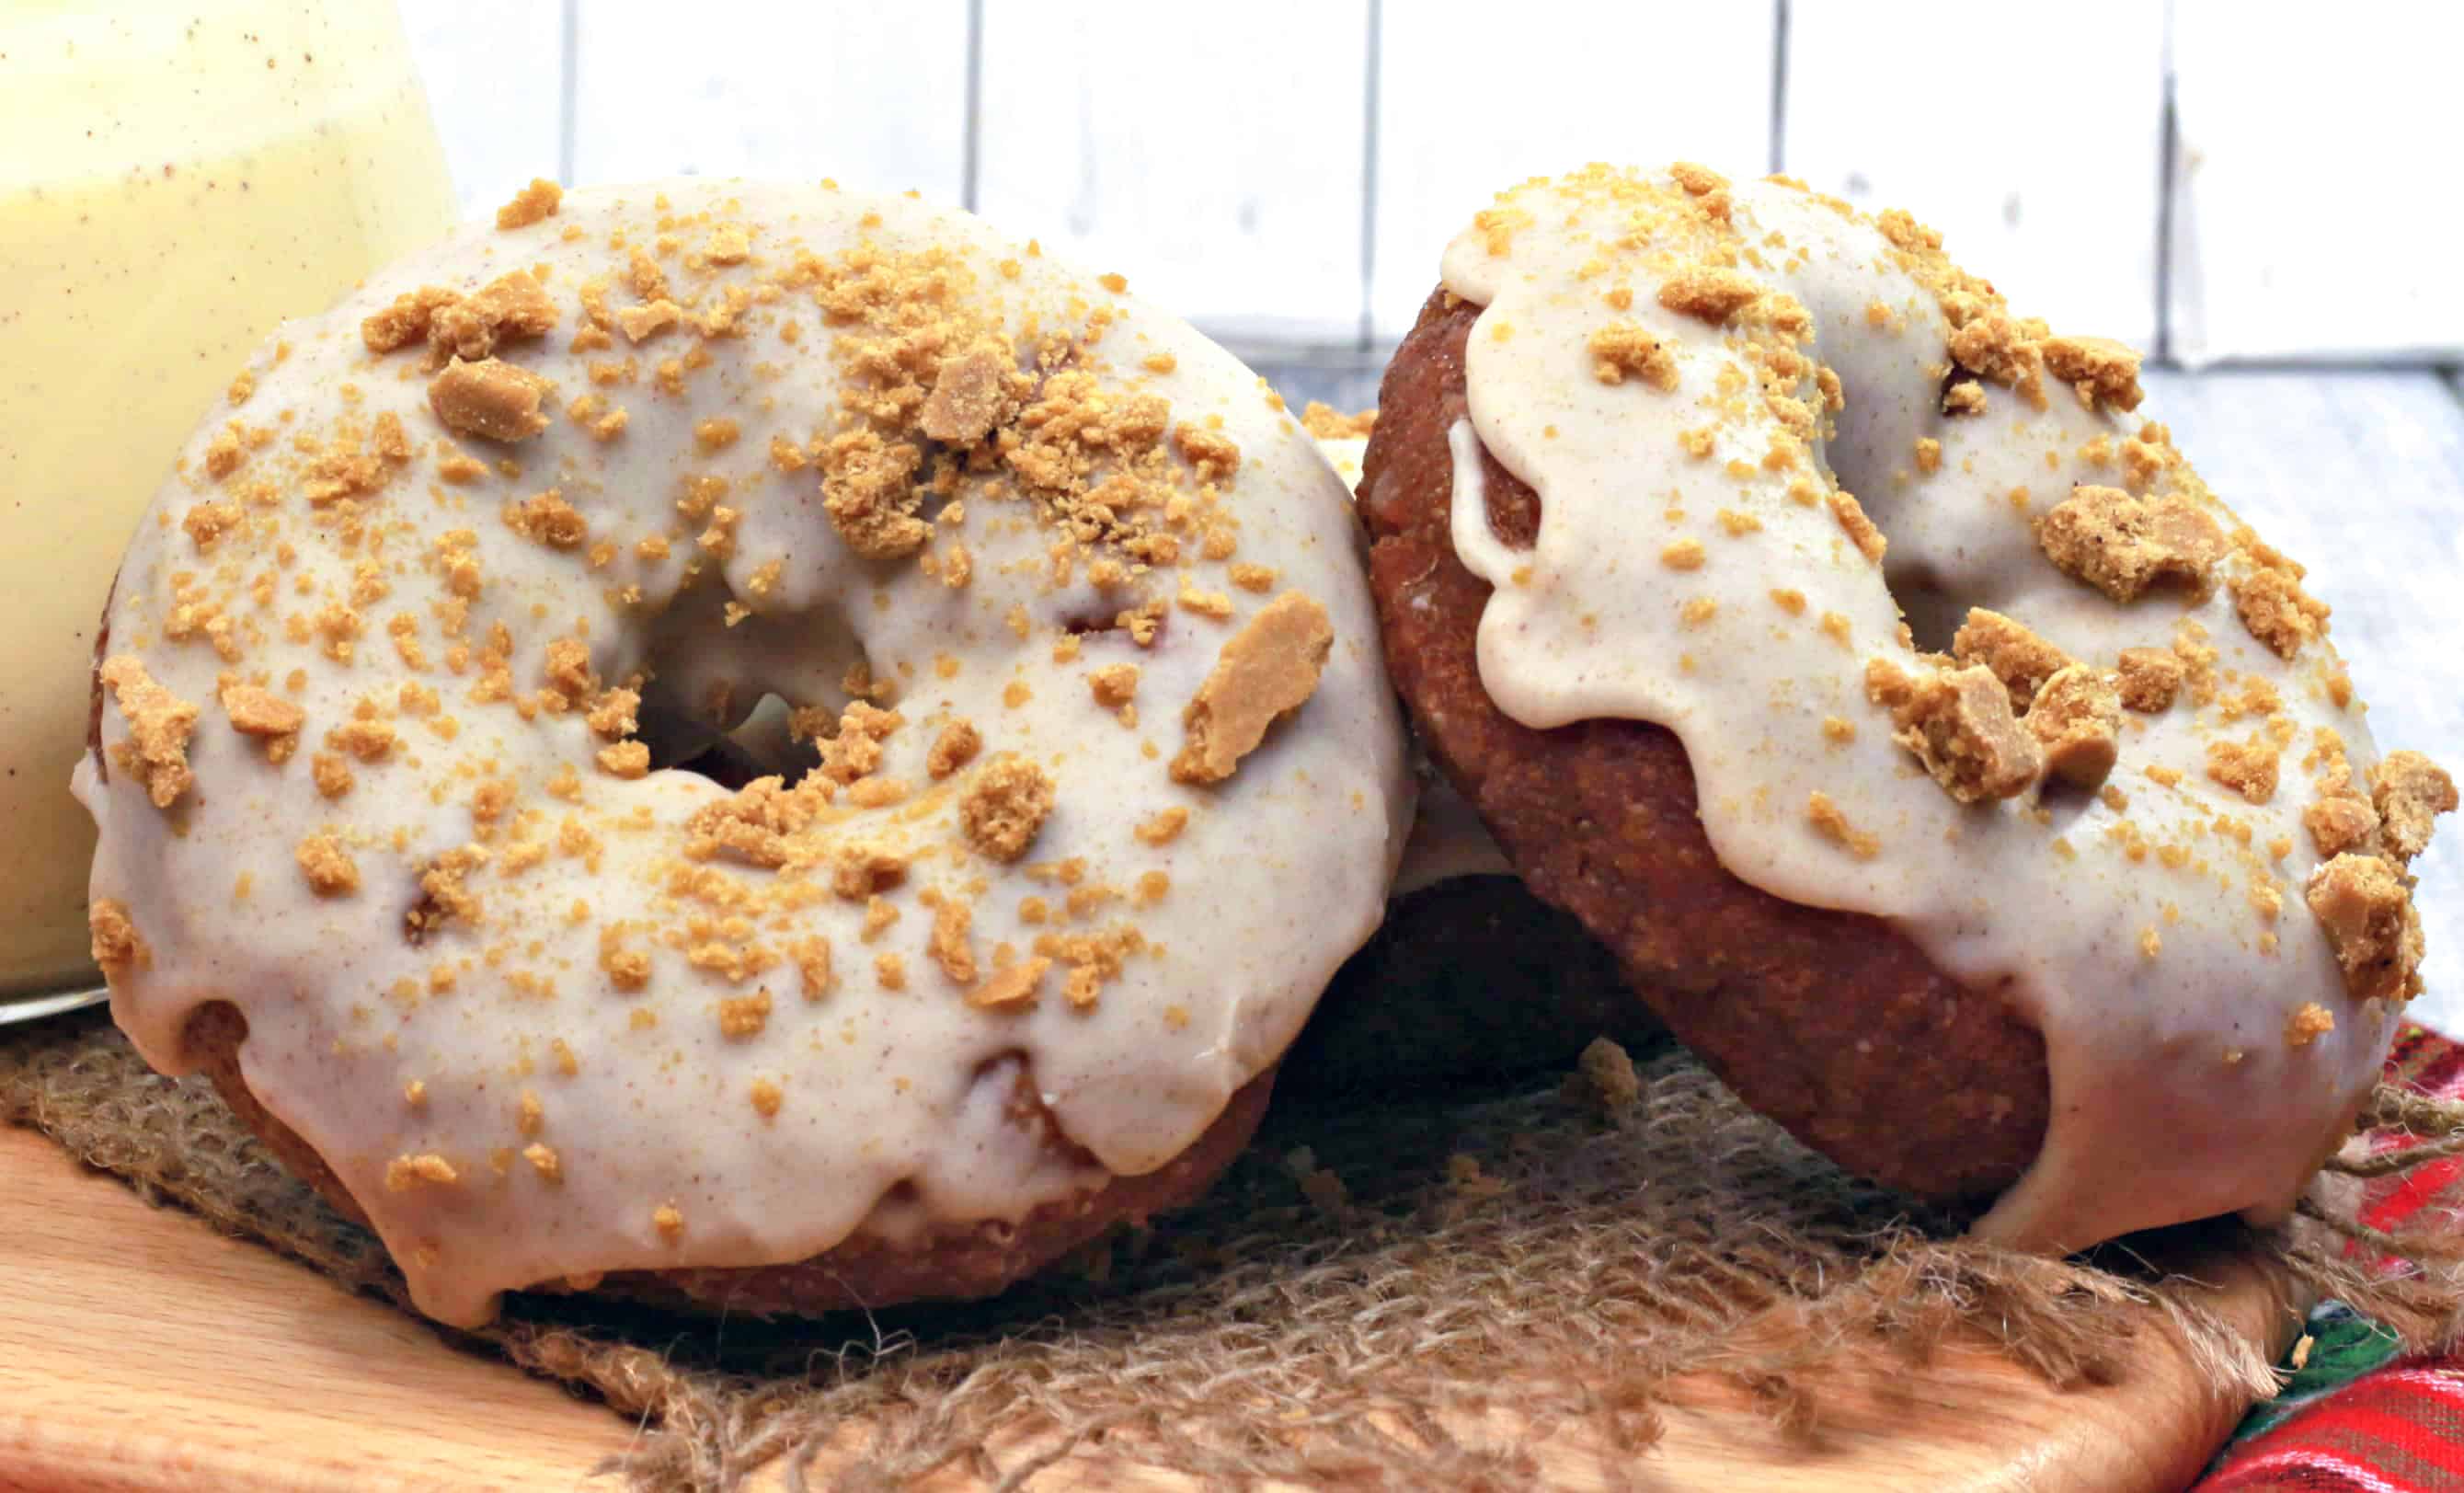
{"x": 1357, "y": 1288}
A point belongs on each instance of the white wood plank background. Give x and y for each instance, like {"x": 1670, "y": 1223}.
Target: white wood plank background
{"x": 2037, "y": 158}
{"x": 2316, "y": 214}
{"x": 874, "y": 96}
{"x": 1214, "y": 157}
{"x": 1472, "y": 98}
{"x": 1258, "y": 166}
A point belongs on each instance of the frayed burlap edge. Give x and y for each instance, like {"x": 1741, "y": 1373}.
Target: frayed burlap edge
{"x": 1356, "y": 1289}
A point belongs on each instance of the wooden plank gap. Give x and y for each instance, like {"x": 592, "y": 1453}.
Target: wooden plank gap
{"x": 1369, "y": 175}
{"x": 568, "y": 88}
{"x": 1779, "y": 87}
{"x": 972, "y": 162}
{"x": 2169, "y": 180}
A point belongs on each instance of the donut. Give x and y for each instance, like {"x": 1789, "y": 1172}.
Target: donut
{"x": 1857, "y": 659}
{"x": 412, "y": 663}
{"x": 1470, "y": 978}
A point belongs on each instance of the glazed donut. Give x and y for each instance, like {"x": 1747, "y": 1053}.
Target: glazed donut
{"x": 1861, "y": 664}
{"x": 1065, "y": 608}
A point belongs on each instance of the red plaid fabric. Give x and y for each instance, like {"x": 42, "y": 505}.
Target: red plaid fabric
{"x": 2399, "y": 1428}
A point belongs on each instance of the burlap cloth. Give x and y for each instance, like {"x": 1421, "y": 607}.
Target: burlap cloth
{"x": 1363, "y": 1280}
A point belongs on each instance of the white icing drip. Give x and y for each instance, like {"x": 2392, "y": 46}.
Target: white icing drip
{"x": 2175, "y": 1092}
{"x": 1279, "y": 875}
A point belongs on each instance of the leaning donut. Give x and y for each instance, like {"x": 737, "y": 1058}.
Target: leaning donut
{"x": 1067, "y": 607}
{"x": 1860, "y": 664}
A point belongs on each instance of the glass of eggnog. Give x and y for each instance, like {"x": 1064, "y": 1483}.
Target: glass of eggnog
{"x": 179, "y": 178}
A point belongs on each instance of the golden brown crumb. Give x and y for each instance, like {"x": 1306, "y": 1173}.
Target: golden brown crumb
{"x": 1698, "y": 181}
{"x": 1328, "y": 424}
{"x": 208, "y": 522}
{"x": 489, "y": 398}
{"x": 1165, "y": 826}
{"x": 2077, "y": 717}
{"x": 548, "y": 519}
{"x": 766, "y": 1097}
{"x": 863, "y": 869}
{"x": 1604, "y": 1080}
{"x": 2246, "y": 767}
{"x": 403, "y": 1173}
{"x": 368, "y": 740}
{"x": 531, "y": 204}
{"x": 330, "y": 870}
{"x": 261, "y": 712}
{"x": 1959, "y": 723}
{"x": 1268, "y": 670}
{"x": 949, "y": 946}
{"x": 1831, "y": 821}
{"x": 890, "y": 969}
{"x": 955, "y": 748}
{"x": 625, "y": 759}
{"x": 1682, "y": 554}
{"x": 2019, "y": 657}
{"x": 1622, "y": 348}
{"x": 854, "y": 749}
{"x": 669, "y": 1220}
{"x": 156, "y": 753}
{"x": 2410, "y": 790}
{"x": 1963, "y": 398}
{"x": 2308, "y": 1024}
{"x": 1005, "y": 807}
{"x": 2121, "y": 546}
{"x": 1861, "y": 529}
{"x": 1214, "y": 454}
{"x": 510, "y": 307}
{"x": 544, "y": 1161}
{"x": 868, "y": 491}
{"x": 404, "y": 322}
{"x": 812, "y": 958}
{"x": 332, "y": 775}
{"x": 971, "y": 395}
{"x": 117, "y": 946}
{"x": 2151, "y": 679}
{"x": 1014, "y": 985}
{"x": 745, "y": 1016}
{"x": 1993, "y": 346}
{"x": 2277, "y": 612}
{"x": 1928, "y": 455}
{"x": 1115, "y": 684}
{"x": 2100, "y": 367}
{"x": 1713, "y": 295}
{"x": 2339, "y": 822}
{"x": 2366, "y": 913}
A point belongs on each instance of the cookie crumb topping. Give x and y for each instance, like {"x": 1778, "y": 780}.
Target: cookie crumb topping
{"x": 1267, "y": 670}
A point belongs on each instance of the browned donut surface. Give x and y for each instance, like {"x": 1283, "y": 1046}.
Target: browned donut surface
{"x": 868, "y": 1270}
{"x": 1832, "y": 1023}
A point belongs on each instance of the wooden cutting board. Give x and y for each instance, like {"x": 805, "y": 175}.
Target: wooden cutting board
{"x": 140, "y": 1351}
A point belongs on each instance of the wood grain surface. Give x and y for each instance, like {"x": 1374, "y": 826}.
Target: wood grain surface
{"x": 140, "y": 1353}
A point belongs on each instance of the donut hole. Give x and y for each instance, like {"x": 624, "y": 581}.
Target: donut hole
{"x": 759, "y": 746}
{"x": 1932, "y": 613}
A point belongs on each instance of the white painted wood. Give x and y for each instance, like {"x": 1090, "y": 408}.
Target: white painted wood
{"x": 2317, "y": 215}
{"x": 873, "y": 96}
{"x": 1211, "y": 154}
{"x": 1477, "y": 96}
{"x": 2360, "y": 475}
{"x": 493, "y": 72}
{"x": 2029, "y": 136}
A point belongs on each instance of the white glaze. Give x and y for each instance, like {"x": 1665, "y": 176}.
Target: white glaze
{"x": 1281, "y": 872}
{"x": 2151, "y": 1122}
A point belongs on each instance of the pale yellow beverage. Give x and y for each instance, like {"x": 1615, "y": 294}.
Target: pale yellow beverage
{"x": 177, "y": 180}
